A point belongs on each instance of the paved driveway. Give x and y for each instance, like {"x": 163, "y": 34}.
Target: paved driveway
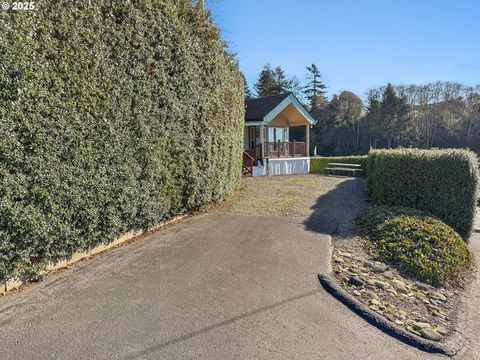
{"x": 216, "y": 286}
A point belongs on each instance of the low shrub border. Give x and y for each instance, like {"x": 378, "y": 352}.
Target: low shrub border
{"x": 318, "y": 164}
{"x": 442, "y": 182}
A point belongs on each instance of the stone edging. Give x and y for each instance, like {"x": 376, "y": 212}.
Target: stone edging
{"x": 332, "y": 287}
{"x": 16, "y": 283}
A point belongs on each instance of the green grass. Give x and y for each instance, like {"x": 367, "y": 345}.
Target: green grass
{"x": 319, "y": 164}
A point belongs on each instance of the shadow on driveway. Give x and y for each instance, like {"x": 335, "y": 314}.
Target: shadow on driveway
{"x": 334, "y": 213}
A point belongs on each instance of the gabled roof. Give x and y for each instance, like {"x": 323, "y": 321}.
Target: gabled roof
{"x": 259, "y": 107}
{"x": 264, "y": 109}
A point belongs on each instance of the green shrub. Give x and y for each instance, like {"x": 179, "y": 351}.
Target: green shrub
{"x": 370, "y": 220}
{"x": 422, "y": 247}
{"x": 114, "y": 116}
{"x": 442, "y": 182}
{"x": 318, "y": 164}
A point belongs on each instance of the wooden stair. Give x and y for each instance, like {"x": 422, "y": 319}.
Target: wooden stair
{"x": 248, "y": 164}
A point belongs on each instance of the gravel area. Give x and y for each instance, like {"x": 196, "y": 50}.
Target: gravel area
{"x": 329, "y": 203}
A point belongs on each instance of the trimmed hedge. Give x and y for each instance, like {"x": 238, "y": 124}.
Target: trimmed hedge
{"x": 442, "y": 182}
{"x": 418, "y": 245}
{"x": 318, "y": 164}
{"x": 114, "y": 116}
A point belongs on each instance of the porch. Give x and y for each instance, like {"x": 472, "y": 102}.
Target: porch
{"x": 267, "y": 134}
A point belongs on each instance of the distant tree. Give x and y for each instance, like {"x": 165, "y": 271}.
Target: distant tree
{"x": 438, "y": 114}
{"x": 395, "y": 117}
{"x": 326, "y": 129}
{"x": 266, "y": 83}
{"x": 281, "y": 81}
{"x": 404, "y": 131}
{"x": 373, "y": 117}
{"x": 295, "y": 87}
{"x": 246, "y": 89}
{"x": 284, "y": 84}
{"x": 471, "y": 124}
{"x": 315, "y": 89}
{"x": 274, "y": 81}
{"x": 388, "y": 114}
{"x": 350, "y": 110}
{"x": 314, "y": 93}
{"x": 338, "y": 130}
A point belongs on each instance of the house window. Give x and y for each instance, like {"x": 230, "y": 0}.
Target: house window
{"x": 276, "y": 134}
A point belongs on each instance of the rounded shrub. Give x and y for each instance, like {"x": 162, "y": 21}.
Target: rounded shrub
{"x": 421, "y": 247}
{"x": 371, "y": 219}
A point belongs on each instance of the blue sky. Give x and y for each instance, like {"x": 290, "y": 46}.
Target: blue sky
{"x": 356, "y": 44}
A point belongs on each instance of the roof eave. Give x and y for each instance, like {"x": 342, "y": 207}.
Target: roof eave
{"x": 290, "y": 99}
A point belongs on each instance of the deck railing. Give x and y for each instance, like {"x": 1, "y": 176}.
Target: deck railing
{"x": 280, "y": 149}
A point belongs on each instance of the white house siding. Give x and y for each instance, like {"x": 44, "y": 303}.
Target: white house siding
{"x": 283, "y": 166}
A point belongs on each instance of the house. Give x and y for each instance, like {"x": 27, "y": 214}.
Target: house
{"x": 267, "y": 147}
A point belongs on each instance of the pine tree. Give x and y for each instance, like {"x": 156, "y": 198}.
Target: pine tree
{"x": 404, "y": 131}
{"x": 395, "y": 117}
{"x": 388, "y": 113}
{"x": 266, "y": 84}
{"x": 274, "y": 81}
{"x": 315, "y": 89}
{"x": 373, "y": 117}
{"x": 280, "y": 80}
{"x": 246, "y": 89}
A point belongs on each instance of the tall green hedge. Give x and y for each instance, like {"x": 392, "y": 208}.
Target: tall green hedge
{"x": 319, "y": 164}
{"x": 442, "y": 182}
{"x": 114, "y": 115}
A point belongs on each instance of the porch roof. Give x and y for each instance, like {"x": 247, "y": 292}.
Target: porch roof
{"x": 281, "y": 109}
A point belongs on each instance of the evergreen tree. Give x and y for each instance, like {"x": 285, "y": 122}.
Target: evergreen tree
{"x": 284, "y": 84}
{"x": 388, "y": 113}
{"x": 266, "y": 84}
{"x": 315, "y": 89}
{"x": 274, "y": 81}
{"x": 246, "y": 89}
{"x": 281, "y": 82}
{"x": 404, "y": 132}
{"x": 373, "y": 117}
{"x": 395, "y": 118}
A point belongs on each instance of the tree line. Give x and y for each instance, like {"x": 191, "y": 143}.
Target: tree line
{"x": 439, "y": 114}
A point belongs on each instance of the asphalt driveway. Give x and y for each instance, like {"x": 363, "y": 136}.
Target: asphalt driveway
{"x": 216, "y": 286}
